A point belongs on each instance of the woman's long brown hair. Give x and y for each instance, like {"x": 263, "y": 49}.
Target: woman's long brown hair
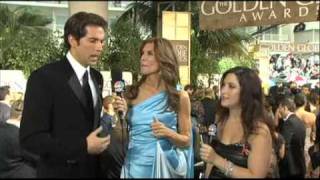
{"x": 169, "y": 71}
{"x": 251, "y": 100}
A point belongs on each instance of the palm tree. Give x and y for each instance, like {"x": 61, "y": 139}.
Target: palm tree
{"x": 211, "y": 45}
{"x": 17, "y": 23}
{"x": 143, "y": 13}
{"x": 222, "y": 41}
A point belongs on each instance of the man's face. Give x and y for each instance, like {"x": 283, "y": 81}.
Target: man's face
{"x": 282, "y": 111}
{"x": 190, "y": 91}
{"x": 305, "y": 91}
{"x": 88, "y": 49}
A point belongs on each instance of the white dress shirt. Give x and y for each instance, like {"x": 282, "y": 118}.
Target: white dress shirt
{"x": 80, "y": 70}
{"x": 287, "y": 117}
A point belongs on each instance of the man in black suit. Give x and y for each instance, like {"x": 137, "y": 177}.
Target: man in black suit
{"x": 4, "y": 103}
{"x": 209, "y": 104}
{"x": 293, "y": 131}
{"x": 63, "y": 104}
{"x": 14, "y": 162}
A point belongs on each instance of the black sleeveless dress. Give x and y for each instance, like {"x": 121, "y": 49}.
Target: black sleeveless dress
{"x": 236, "y": 153}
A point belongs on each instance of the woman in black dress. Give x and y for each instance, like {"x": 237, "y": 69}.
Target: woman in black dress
{"x": 242, "y": 146}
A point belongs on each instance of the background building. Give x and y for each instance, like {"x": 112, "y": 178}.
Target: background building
{"x": 59, "y": 10}
{"x": 288, "y": 52}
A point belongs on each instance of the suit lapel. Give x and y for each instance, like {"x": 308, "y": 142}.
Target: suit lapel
{"x": 97, "y": 107}
{"x": 77, "y": 89}
{"x": 74, "y": 83}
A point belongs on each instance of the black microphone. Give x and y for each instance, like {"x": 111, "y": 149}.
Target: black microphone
{"x": 119, "y": 88}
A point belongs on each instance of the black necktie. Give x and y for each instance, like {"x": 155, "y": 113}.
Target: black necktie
{"x": 87, "y": 92}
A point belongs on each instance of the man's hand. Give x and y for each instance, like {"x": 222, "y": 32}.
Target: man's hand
{"x": 95, "y": 144}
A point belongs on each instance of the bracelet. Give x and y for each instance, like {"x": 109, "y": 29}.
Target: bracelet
{"x": 228, "y": 168}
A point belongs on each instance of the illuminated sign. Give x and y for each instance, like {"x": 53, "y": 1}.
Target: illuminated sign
{"x": 226, "y": 14}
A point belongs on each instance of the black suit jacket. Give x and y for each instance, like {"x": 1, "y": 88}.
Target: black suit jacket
{"x": 55, "y": 121}
{"x": 209, "y": 106}
{"x": 294, "y": 133}
{"x": 14, "y": 163}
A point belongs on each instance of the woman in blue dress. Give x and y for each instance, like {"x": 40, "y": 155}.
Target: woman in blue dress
{"x": 160, "y": 136}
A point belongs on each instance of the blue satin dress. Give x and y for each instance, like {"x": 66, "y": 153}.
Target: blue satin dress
{"x": 149, "y": 157}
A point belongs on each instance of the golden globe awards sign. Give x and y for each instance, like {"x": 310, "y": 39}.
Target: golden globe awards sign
{"x": 226, "y": 14}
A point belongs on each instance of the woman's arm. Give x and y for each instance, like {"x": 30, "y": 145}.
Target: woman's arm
{"x": 183, "y": 137}
{"x": 282, "y": 151}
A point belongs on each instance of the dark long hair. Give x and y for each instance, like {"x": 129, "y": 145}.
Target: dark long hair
{"x": 251, "y": 100}
{"x": 169, "y": 69}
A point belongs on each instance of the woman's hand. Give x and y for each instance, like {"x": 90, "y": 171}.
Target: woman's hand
{"x": 207, "y": 153}
{"x": 160, "y": 130}
{"x": 120, "y": 104}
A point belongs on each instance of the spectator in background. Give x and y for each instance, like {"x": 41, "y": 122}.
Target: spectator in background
{"x": 118, "y": 142}
{"x": 14, "y": 162}
{"x": 278, "y": 144}
{"x": 314, "y": 99}
{"x": 209, "y": 106}
{"x": 197, "y": 111}
{"x": 308, "y": 120}
{"x": 4, "y": 103}
{"x": 189, "y": 88}
{"x": 215, "y": 89}
{"x": 314, "y": 151}
{"x": 294, "y": 133}
{"x": 305, "y": 89}
{"x": 197, "y": 118}
{"x": 294, "y": 88}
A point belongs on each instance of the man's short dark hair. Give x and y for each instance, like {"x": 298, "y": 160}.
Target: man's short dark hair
{"x": 188, "y": 86}
{"x": 16, "y": 108}
{"x": 289, "y": 103}
{"x": 300, "y": 99}
{"x": 76, "y": 25}
{"x": 4, "y": 90}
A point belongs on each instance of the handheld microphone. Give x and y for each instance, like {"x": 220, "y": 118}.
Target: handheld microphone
{"x": 201, "y": 164}
{"x": 119, "y": 88}
{"x": 212, "y": 132}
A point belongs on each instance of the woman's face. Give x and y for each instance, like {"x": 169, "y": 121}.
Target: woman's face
{"x": 148, "y": 62}
{"x": 230, "y": 91}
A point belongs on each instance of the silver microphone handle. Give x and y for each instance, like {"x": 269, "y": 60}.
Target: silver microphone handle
{"x": 201, "y": 163}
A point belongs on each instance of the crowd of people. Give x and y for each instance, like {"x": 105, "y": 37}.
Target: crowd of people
{"x": 63, "y": 127}
{"x": 294, "y": 68}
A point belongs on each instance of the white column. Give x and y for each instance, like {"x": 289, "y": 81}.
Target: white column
{"x": 97, "y": 7}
